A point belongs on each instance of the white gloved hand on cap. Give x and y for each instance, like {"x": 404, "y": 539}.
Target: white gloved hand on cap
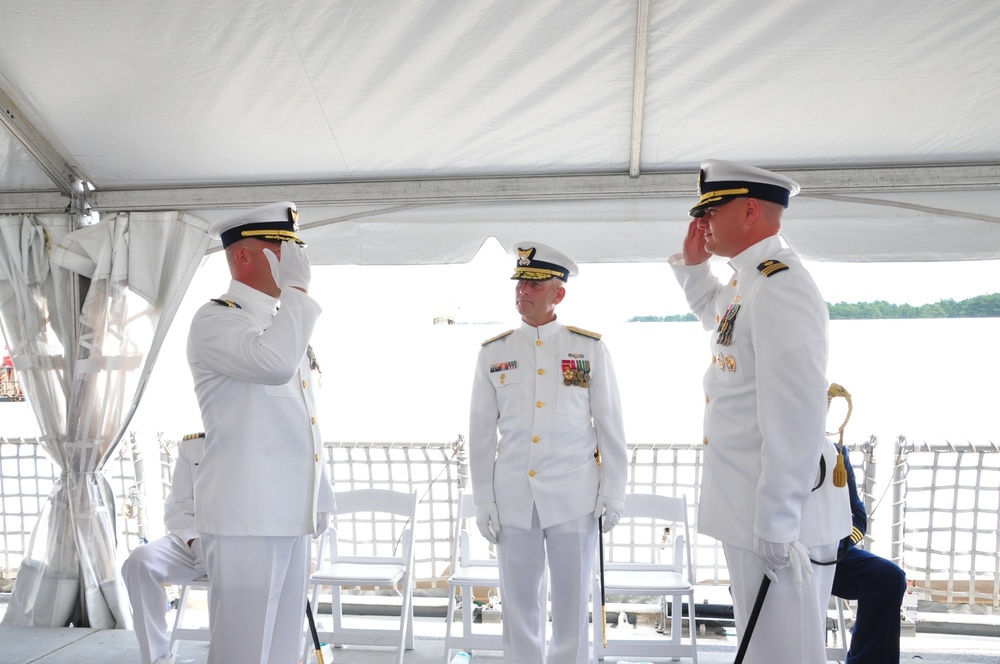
{"x": 487, "y": 516}
{"x": 772, "y": 556}
{"x": 293, "y": 270}
{"x": 612, "y": 509}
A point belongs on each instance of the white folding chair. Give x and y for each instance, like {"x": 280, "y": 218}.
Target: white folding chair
{"x": 644, "y": 516}
{"x": 179, "y": 632}
{"x": 370, "y": 514}
{"x": 471, "y": 567}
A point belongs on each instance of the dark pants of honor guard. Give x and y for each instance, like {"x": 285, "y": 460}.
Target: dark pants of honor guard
{"x": 878, "y": 586}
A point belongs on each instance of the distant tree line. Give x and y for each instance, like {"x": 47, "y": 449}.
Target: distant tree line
{"x": 682, "y": 318}
{"x": 982, "y": 306}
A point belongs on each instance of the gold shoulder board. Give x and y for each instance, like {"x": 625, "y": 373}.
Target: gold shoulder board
{"x": 227, "y": 303}
{"x": 193, "y": 436}
{"x": 499, "y": 336}
{"x": 586, "y": 333}
{"x": 771, "y": 266}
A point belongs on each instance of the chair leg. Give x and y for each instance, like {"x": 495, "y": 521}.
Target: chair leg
{"x": 693, "y": 628}
{"x": 449, "y": 618}
{"x": 337, "y": 611}
{"x": 179, "y": 618}
{"x": 405, "y": 623}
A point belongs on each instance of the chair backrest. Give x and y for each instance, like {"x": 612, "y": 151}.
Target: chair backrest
{"x": 469, "y": 545}
{"x": 642, "y": 519}
{"x": 392, "y": 517}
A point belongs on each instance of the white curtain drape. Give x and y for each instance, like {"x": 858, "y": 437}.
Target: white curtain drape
{"x": 83, "y": 376}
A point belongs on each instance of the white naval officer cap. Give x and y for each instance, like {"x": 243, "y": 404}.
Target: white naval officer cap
{"x": 538, "y": 262}
{"x": 721, "y": 181}
{"x": 274, "y": 222}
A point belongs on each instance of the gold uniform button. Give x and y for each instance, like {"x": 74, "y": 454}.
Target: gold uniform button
{"x": 717, "y": 318}
{"x": 531, "y": 473}
{"x": 535, "y": 439}
{"x": 538, "y": 342}
{"x": 704, "y": 441}
{"x": 539, "y": 404}
{"x": 541, "y": 372}
{"x": 734, "y": 283}
{"x": 317, "y": 458}
{"x": 706, "y": 398}
{"x": 313, "y": 420}
{"x": 304, "y": 385}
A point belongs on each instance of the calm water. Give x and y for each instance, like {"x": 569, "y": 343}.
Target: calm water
{"x": 930, "y": 380}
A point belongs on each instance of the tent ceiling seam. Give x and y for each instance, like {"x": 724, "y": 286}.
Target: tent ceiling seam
{"x": 907, "y": 206}
{"x": 639, "y": 86}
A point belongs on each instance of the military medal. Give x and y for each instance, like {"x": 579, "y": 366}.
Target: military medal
{"x": 725, "y": 328}
{"x": 576, "y": 372}
{"x": 503, "y": 366}
{"x": 313, "y": 364}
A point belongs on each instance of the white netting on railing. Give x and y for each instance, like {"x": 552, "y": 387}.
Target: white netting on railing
{"x": 945, "y": 513}
{"x": 27, "y": 479}
{"x": 947, "y": 517}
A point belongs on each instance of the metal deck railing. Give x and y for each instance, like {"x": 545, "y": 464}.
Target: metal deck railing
{"x": 945, "y": 503}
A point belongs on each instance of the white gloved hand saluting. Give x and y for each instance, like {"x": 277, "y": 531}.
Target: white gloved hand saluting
{"x": 293, "y": 270}
{"x": 612, "y": 509}
{"x": 488, "y": 516}
{"x": 772, "y": 556}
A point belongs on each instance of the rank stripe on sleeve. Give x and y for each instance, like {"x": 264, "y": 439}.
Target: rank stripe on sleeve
{"x": 771, "y": 266}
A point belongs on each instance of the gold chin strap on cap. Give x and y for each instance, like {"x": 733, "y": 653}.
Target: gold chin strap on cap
{"x": 840, "y": 472}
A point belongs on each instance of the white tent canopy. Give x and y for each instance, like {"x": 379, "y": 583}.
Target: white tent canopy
{"x": 411, "y": 132}
{"x": 423, "y": 128}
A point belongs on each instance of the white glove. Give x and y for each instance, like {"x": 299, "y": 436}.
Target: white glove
{"x": 293, "y": 270}
{"x": 199, "y": 556}
{"x": 322, "y": 523}
{"x": 488, "y": 515}
{"x": 798, "y": 558}
{"x": 772, "y": 556}
{"x": 612, "y": 509}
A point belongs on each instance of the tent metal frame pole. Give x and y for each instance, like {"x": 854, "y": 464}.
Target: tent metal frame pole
{"x": 16, "y": 118}
{"x": 880, "y": 180}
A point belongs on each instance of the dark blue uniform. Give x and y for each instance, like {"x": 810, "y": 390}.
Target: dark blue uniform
{"x": 877, "y": 584}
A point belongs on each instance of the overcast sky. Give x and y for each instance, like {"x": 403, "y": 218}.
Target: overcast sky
{"x": 481, "y": 291}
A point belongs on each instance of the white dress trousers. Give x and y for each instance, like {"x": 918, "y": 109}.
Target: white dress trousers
{"x": 257, "y": 607}
{"x": 791, "y": 628}
{"x": 167, "y": 560}
{"x": 569, "y": 549}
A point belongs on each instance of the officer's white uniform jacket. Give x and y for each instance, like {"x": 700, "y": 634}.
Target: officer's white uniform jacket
{"x": 766, "y": 405}
{"x": 532, "y": 438}
{"x": 178, "y": 508}
{"x": 263, "y": 472}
